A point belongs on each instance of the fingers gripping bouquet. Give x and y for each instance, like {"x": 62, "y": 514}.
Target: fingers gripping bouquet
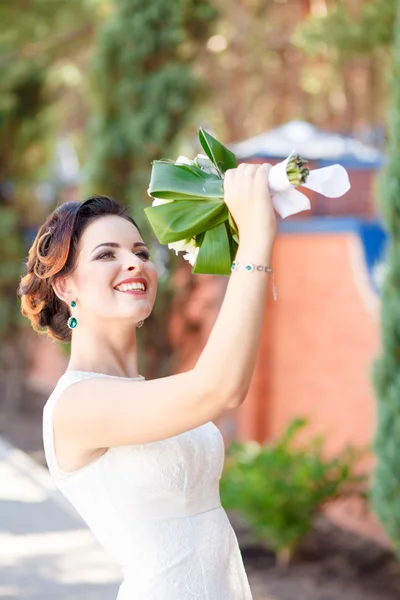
{"x": 189, "y": 213}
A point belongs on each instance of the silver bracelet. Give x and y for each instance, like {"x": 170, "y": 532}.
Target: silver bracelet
{"x": 249, "y": 267}
{"x": 237, "y": 266}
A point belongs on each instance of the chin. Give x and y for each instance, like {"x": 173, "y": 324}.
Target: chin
{"x": 137, "y": 315}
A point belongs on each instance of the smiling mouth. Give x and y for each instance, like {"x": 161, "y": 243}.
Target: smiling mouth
{"x": 133, "y": 292}
{"x": 132, "y": 288}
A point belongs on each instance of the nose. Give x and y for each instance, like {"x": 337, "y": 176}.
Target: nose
{"x": 134, "y": 263}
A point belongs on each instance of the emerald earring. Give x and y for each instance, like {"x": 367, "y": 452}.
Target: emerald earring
{"x": 72, "y": 322}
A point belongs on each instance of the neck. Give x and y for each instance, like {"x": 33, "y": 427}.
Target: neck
{"x": 111, "y": 350}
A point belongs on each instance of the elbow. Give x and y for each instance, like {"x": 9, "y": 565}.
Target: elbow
{"x": 223, "y": 393}
{"x": 236, "y": 399}
{"x": 233, "y": 396}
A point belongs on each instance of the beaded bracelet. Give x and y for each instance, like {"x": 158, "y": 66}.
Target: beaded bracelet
{"x": 237, "y": 266}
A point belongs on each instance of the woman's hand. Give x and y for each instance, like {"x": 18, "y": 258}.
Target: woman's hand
{"x": 248, "y": 200}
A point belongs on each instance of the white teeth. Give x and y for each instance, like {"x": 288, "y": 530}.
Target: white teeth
{"x": 126, "y": 287}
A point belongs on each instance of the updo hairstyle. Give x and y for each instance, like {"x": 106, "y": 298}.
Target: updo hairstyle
{"x": 52, "y": 255}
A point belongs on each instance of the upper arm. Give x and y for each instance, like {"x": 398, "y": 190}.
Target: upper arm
{"x": 102, "y": 412}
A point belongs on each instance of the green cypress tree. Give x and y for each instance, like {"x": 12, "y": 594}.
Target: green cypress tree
{"x": 145, "y": 89}
{"x": 386, "y": 487}
{"x": 31, "y": 43}
{"x": 21, "y": 100}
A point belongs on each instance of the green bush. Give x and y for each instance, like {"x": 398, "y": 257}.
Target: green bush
{"x": 280, "y": 488}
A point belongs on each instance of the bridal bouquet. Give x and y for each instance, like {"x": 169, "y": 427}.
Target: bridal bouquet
{"x": 189, "y": 213}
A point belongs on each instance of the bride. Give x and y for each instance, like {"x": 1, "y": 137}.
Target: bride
{"x": 141, "y": 460}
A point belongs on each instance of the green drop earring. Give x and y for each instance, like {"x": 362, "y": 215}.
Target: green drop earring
{"x": 72, "y": 322}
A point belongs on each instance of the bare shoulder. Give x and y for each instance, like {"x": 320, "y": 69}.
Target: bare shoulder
{"x": 102, "y": 412}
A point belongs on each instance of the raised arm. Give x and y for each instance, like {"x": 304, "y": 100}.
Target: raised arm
{"x": 230, "y": 354}
{"x": 103, "y": 412}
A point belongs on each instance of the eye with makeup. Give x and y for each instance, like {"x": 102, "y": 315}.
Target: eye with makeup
{"x": 110, "y": 254}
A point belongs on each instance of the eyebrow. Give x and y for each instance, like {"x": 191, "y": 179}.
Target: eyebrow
{"x": 115, "y": 245}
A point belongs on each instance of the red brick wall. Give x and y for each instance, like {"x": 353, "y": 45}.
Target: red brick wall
{"x": 320, "y": 339}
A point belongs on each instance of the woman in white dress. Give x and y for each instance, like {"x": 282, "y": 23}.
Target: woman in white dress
{"x": 141, "y": 460}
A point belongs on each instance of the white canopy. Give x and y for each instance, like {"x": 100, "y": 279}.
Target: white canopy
{"x": 308, "y": 141}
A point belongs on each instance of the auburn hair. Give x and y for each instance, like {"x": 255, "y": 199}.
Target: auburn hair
{"x": 52, "y": 255}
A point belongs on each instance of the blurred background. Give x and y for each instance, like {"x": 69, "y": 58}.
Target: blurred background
{"x": 91, "y": 91}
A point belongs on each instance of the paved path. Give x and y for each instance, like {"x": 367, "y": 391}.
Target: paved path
{"x": 46, "y": 551}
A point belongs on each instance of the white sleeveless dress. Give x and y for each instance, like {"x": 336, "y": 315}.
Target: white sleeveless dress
{"x": 156, "y": 508}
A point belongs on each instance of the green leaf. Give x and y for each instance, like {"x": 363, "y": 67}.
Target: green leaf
{"x": 222, "y": 158}
{"x": 233, "y": 243}
{"x": 233, "y": 228}
{"x": 197, "y": 209}
{"x": 170, "y": 181}
{"x": 214, "y": 257}
{"x": 191, "y": 168}
{"x": 176, "y": 221}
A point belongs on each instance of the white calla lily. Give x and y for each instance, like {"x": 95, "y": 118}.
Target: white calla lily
{"x": 332, "y": 181}
{"x": 191, "y": 256}
{"x": 201, "y": 161}
{"x": 205, "y": 164}
{"x": 187, "y": 246}
{"x": 179, "y": 246}
{"x": 183, "y": 160}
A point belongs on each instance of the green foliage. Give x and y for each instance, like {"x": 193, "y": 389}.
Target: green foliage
{"x": 280, "y": 488}
{"x": 386, "y": 374}
{"x": 31, "y": 41}
{"x": 21, "y": 103}
{"x": 145, "y": 90}
{"x": 348, "y": 34}
{"x": 197, "y": 210}
{"x": 219, "y": 154}
{"x": 10, "y": 268}
{"x": 187, "y": 218}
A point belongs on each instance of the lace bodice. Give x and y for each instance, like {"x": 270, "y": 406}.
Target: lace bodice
{"x": 156, "y": 508}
